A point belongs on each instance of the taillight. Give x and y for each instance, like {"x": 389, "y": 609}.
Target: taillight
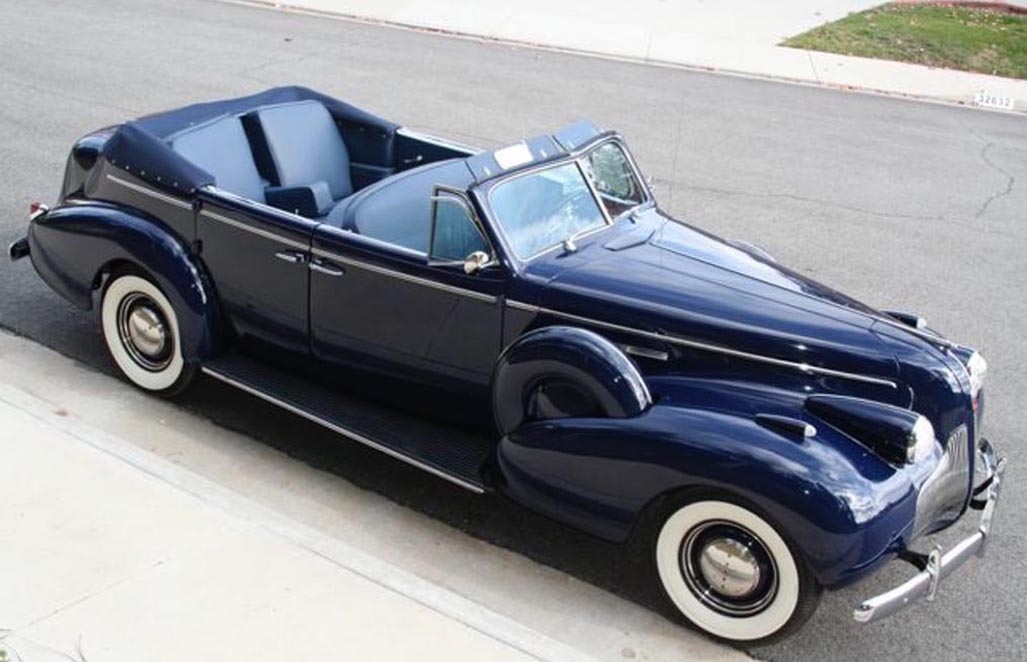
{"x": 37, "y": 209}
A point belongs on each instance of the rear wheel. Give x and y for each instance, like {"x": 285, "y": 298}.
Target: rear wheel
{"x": 140, "y": 329}
{"x": 729, "y": 572}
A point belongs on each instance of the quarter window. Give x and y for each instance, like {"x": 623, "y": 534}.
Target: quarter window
{"x": 454, "y": 234}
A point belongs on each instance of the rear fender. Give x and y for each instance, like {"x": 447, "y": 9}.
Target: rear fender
{"x": 72, "y": 246}
{"x": 844, "y": 508}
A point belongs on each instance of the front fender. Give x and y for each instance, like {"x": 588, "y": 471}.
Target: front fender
{"x": 844, "y": 508}
{"x": 70, "y": 246}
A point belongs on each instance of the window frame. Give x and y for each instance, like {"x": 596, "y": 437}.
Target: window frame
{"x": 450, "y": 195}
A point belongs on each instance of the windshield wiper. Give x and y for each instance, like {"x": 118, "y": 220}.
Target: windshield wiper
{"x": 569, "y": 245}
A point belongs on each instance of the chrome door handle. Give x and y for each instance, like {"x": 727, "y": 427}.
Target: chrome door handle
{"x": 326, "y": 268}
{"x": 291, "y": 256}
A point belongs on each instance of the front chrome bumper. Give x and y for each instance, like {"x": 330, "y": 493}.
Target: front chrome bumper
{"x": 938, "y": 566}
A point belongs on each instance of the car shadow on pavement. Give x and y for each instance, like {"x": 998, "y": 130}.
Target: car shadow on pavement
{"x": 616, "y": 568}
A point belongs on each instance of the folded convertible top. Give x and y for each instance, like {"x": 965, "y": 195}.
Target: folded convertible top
{"x": 140, "y": 146}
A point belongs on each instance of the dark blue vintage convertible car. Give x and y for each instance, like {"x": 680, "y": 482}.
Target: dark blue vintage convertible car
{"x": 768, "y": 437}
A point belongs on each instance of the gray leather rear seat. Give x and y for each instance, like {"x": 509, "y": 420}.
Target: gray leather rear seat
{"x": 220, "y": 147}
{"x": 307, "y": 150}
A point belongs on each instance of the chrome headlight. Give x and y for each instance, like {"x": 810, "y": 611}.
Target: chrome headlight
{"x": 921, "y": 440}
{"x": 975, "y": 365}
{"x": 976, "y": 368}
{"x": 898, "y": 435}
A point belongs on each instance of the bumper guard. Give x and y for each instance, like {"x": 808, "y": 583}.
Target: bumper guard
{"x": 18, "y": 249}
{"x": 938, "y": 565}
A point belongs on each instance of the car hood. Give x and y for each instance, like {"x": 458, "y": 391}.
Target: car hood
{"x": 662, "y": 276}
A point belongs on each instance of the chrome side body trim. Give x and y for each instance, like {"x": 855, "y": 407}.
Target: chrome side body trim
{"x": 253, "y": 230}
{"x": 348, "y": 235}
{"x": 367, "y": 441}
{"x": 944, "y": 343}
{"x": 695, "y": 344}
{"x": 181, "y": 204}
{"x": 645, "y": 352}
{"x": 522, "y": 306}
{"x": 435, "y": 140}
{"x": 417, "y": 280}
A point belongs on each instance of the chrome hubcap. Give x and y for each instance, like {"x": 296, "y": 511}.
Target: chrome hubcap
{"x": 145, "y": 332}
{"x": 728, "y": 568}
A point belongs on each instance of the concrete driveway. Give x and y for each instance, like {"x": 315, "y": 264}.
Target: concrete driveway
{"x": 904, "y": 205}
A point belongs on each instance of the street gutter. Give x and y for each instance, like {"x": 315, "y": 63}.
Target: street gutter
{"x": 827, "y": 70}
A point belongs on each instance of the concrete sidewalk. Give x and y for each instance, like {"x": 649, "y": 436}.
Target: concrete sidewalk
{"x": 733, "y": 37}
{"x": 131, "y": 528}
{"x": 107, "y": 552}
{"x": 107, "y": 556}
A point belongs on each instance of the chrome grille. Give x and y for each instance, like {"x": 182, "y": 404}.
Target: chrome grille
{"x": 958, "y": 448}
{"x": 978, "y": 415}
{"x": 945, "y": 490}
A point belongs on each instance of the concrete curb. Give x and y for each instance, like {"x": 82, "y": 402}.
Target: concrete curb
{"x": 820, "y": 79}
{"x": 816, "y": 81}
{"x": 438, "y": 599}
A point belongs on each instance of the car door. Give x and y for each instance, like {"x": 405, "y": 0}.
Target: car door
{"x": 257, "y": 257}
{"x": 377, "y": 304}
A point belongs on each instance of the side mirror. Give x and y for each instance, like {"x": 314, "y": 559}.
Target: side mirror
{"x": 475, "y": 262}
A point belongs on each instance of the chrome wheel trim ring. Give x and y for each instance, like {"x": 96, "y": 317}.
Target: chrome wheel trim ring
{"x": 144, "y": 332}
{"x": 728, "y": 568}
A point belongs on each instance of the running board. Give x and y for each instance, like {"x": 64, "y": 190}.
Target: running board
{"x": 450, "y": 453}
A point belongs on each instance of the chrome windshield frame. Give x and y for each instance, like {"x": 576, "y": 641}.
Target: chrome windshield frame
{"x": 575, "y": 157}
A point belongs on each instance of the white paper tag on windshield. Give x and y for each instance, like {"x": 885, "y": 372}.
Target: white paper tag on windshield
{"x": 512, "y": 156}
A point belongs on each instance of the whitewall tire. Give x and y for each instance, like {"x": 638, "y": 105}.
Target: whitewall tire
{"x": 730, "y": 573}
{"x": 140, "y": 329}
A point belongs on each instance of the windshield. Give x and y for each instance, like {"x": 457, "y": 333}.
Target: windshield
{"x": 541, "y": 209}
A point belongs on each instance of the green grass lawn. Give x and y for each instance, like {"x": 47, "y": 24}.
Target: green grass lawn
{"x": 979, "y": 40}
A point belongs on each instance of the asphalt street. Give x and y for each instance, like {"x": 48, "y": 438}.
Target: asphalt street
{"x": 906, "y": 205}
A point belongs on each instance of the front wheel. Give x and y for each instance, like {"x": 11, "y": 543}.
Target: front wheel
{"x": 140, "y": 328}
{"x": 730, "y": 573}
